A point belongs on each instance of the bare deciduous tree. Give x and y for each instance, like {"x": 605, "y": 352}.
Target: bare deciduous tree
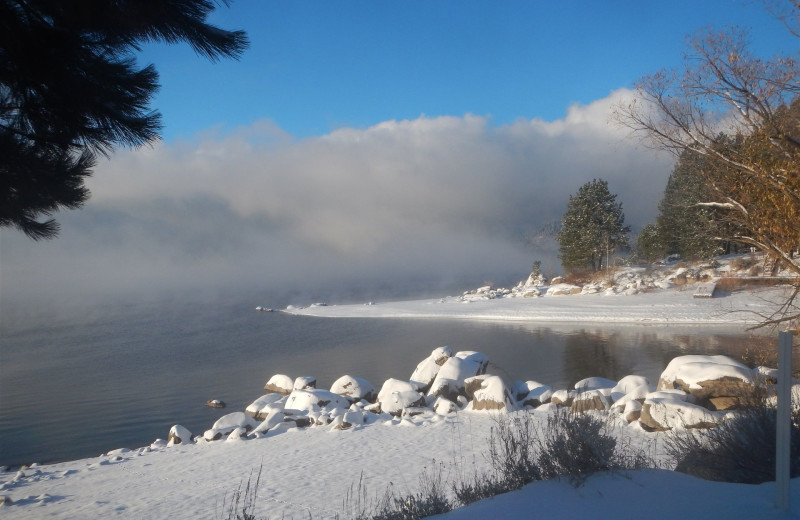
{"x": 742, "y": 113}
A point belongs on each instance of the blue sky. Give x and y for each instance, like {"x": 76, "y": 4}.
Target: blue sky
{"x": 317, "y": 66}
{"x": 374, "y": 144}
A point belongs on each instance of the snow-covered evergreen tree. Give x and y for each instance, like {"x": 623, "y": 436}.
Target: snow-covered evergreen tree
{"x": 592, "y": 229}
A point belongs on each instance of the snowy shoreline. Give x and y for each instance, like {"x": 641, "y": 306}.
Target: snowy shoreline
{"x": 310, "y": 471}
{"x": 665, "y": 306}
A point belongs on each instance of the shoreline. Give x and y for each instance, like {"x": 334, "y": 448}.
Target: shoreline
{"x": 661, "y": 307}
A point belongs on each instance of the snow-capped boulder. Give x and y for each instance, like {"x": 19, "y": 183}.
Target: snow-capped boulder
{"x": 444, "y": 406}
{"x": 632, "y": 411}
{"x": 304, "y": 383}
{"x": 427, "y": 369}
{"x": 272, "y": 420}
{"x": 280, "y": 384}
{"x": 594, "y": 383}
{"x": 261, "y": 407}
{"x": 450, "y": 377}
{"x": 227, "y": 423}
{"x": 178, "y": 435}
{"x": 350, "y": 419}
{"x": 628, "y": 385}
{"x": 718, "y": 382}
{"x": 354, "y": 389}
{"x": 667, "y": 410}
{"x": 315, "y": 400}
{"x": 590, "y": 400}
{"x": 492, "y": 394}
{"x": 471, "y": 384}
{"x": 563, "y": 289}
{"x": 396, "y": 395}
{"x": 215, "y": 403}
{"x": 563, "y": 397}
{"x": 238, "y": 434}
{"x": 532, "y": 393}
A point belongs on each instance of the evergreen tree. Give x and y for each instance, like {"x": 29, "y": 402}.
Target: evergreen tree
{"x": 70, "y": 88}
{"x": 592, "y": 228}
{"x": 651, "y": 243}
{"x": 685, "y": 228}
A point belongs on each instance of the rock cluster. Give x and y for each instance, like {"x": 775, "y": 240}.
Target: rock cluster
{"x": 693, "y": 391}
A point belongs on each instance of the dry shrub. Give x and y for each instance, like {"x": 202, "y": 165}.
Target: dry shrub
{"x": 739, "y": 450}
{"x": 580, "y": 277}
{"x": 742, "y": 262}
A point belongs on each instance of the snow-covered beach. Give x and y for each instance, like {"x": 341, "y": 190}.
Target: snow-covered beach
{"x": 311, "y": 472}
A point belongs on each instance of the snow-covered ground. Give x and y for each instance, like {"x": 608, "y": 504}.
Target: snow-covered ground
{"x": 310, "y": 472}
{"x": 664, "y": 306}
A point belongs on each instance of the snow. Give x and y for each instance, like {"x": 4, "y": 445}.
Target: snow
{"x": 656, "y": 306}
{"x": 310, "y": 472}
{"x": 694, "y": 368}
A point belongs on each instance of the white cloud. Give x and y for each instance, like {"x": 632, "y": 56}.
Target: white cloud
{"x": 434, "y": 196}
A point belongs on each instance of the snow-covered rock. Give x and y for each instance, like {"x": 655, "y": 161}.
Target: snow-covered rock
{"x": 594, "y": 383}
{"x": 304, "y": 383}
{"x": 450, "y": 378}
{"x": 429, "y": 367}
{"x": 261, "y": 407}
{"x": 716, "y": 381}
{"x": 396, "y": 395}
{"x": 667, "y": 411}
{"x": 227, "y": 423}
{"x": 563, "y": 289}
{"x": 492, "y": 394}
{"x": 280, "y": 383}
{"x": 590, "y": 400}
{"x": 354, "y": 388}
{"x": 315, "y": 400}
{"x": 178, "y": 435}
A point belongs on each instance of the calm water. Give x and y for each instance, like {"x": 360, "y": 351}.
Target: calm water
{"x": 77, "y": 385}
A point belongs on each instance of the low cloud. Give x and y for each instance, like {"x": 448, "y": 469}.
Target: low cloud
{"x": 435, "y": 198}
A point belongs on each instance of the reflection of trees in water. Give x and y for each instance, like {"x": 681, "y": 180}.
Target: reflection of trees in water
{"x": 616, "y": 353}
{"x": 588, "y": 354}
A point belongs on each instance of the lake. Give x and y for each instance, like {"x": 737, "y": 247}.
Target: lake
{"x": 88, "y": 380}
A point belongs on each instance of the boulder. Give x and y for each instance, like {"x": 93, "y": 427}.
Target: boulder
{"x": 563, "y": 289}
{"x": 629, "y": 385}
{"x": 563, "y": 397}
{"x": 279, "y": 384}
{"x": 594, "y": 383}
{"x": 261, "y": 407}
{"x": 537, "y": 395}
{"x": 471, "y": 384}
{"x": 227, "y": 423}
{"x": 275, "y": 418}
{"x": 396, "y": 395}
{"x": 427, "y": 369}
{"x": 354, "y": 389}
{"x": 455, "y": 370}
{"x": 315, "y": 400}
{"x": 590, "y": 400}
{"x": 304, "y": 383}
{"x": 492, "y": 394}
{"x": 663, "y": 411}
{"x": 215, "y": 403}
{"x": 444, "y": 406}
{"x": 178, "y": 435}
{"x": 710, "y": 377}
{"x": 558, "y": 280}
{"x": 632, "y": 411}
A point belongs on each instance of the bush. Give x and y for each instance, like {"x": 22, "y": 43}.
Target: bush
{"x": 431, "y": 500}
{"x": 739, "y": 450}
{"x": 574, "y": 445}
{"x": 243, "y": 503}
